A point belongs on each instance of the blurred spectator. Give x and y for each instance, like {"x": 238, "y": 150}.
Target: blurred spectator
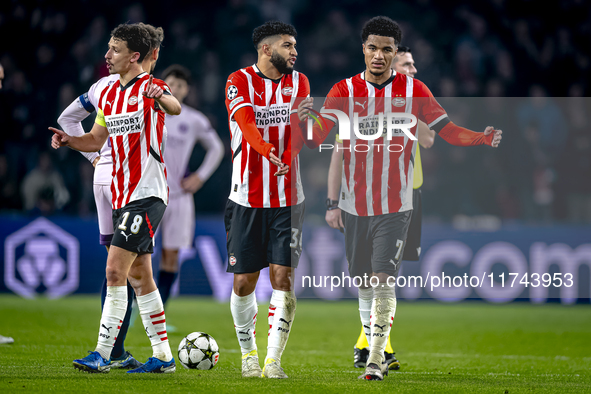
{"x": 9, "y": 196}
{"x": 213, "y": 85}
{"x": 464, "y": 49}
{"x": 542, "y": 113}
{"x": 43, "y": 189}
{"x": 275, "y": 10}
{"x": 84, "y": 191}
{"x": 545, "y": 132}
{"x": 574, "y": 167}
{"x": 335, "y": 40}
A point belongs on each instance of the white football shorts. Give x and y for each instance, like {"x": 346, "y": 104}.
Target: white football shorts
{"x": 178, "y": 224}
{"x": 104, "y": 208}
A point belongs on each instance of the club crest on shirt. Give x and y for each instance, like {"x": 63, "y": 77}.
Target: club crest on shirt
{"x": 398, "y": 102}
{"x": 232, "y": 92}
{"x": 132, "y": 100}
{"x": 287, "y": 91}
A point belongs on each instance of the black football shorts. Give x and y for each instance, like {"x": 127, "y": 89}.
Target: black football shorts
{"x": 134, "y": 225}
{"x": 257, "y": 237}
{"x": 375, "y": 243}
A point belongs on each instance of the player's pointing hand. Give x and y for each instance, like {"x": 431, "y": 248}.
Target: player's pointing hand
{"x": 152, "y": 91}
{"x": 496, "y": 138}
{"x": 59, "y": 139}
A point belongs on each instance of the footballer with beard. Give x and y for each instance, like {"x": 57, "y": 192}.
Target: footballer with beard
{"x": 265, "y": 209}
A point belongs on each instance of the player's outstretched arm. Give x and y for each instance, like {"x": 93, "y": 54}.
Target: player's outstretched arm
{"x": 461, "y": 136}
{"x": 70, "y": 121}
{"x": 335, "y": 170}
{"x": 89, "y": 142}
{"x": 431, "y": 112}
{"x": 167, "y": 102}
{"x": 426, "y": 135}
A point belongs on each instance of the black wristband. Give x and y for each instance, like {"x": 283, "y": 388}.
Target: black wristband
{"x": 331, "y": 204}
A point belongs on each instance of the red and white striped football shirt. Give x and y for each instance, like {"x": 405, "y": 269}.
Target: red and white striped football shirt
{"x": 136, "y": 130}
{"x": 378, "y": 175}
{"x": 253, "y": 182}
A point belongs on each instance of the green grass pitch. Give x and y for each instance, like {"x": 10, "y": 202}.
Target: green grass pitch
{"x": 470, "y": 347}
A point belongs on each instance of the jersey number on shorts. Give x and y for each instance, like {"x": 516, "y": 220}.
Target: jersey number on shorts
{"x": 135, "y": 225}
{"x": 399, "y": 244}
{"x": 295, "y": 232}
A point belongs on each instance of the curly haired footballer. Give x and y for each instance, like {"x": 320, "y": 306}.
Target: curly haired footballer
{"x": 157, "y": 34}
{"x": 272, "y": 28}
{"x": 381, "y": 26}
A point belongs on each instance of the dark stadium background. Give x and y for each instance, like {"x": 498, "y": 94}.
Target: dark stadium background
{"x": 53, "y": 51}
{"x": 487, "y": 62}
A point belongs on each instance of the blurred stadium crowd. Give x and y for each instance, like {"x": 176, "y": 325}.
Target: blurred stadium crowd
{"x": 513, "y": 57}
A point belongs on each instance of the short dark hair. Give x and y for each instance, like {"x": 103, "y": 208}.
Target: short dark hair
{"x": 138, "y": 38}
{"x": 381, "y": 26}
{"x": 177, "y": 71}
{"x": 403, "y": 49}
{"x": 272, "y": 28}
{"x": 157, "y": 34}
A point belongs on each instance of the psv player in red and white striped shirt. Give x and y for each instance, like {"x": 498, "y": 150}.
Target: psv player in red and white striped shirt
{"x": 254, "y": 183}
{"x": 138, "y": 170}
{"x": 265, "y": 209}
{"x": 131, "y": 114}
{"x": 377, "y": 175}
{"x": 377, "y": 183}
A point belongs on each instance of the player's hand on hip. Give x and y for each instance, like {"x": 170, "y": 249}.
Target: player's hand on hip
{"x": 59, "y": 138}
{"x": 153, "y": 91}
{"x": 95, "y": 162}
{"x": 334, "y": 219}
{"x": 304, "y": 108}
{"x": 192, "y": 183}
{"x": 497, "y": 136}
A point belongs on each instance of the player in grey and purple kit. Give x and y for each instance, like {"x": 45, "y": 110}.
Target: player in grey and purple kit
{"x": 184, "y": 131}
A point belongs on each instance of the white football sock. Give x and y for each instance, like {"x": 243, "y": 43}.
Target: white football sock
{"x": 383, "y": 309}
{"x": 154, "y": 320}
{"x": 365, "y": 301}
{"x": 113, "y": 313}
{"x": 244, "y": 313}
{"x": 281, "y": 315}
